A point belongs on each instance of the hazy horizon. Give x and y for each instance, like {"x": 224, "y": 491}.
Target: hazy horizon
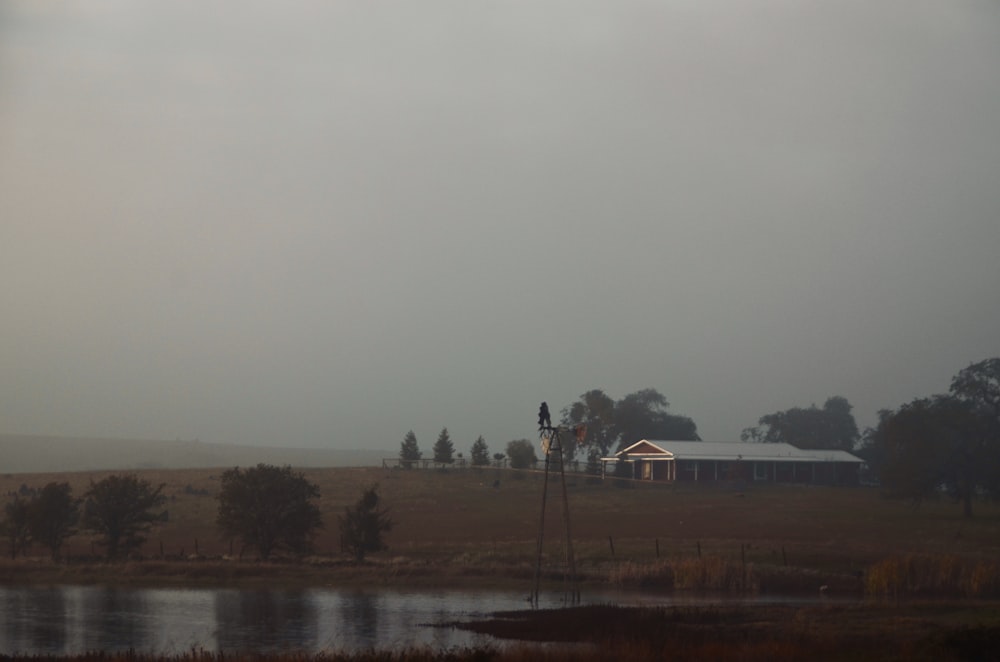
{"x": 323, "y": 225}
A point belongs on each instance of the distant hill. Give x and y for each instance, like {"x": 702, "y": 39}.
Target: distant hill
{"x": 39, "y": 454}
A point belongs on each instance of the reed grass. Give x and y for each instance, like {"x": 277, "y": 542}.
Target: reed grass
{"x": 709, "y": 573}
{"x": 926, "y": 575}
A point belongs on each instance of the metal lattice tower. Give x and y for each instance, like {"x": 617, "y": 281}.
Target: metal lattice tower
{"x": 553, "y": 448}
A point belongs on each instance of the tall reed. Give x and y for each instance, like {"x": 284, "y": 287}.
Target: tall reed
{"x": 939, "y": 575}
{"x": 708, "y": 573}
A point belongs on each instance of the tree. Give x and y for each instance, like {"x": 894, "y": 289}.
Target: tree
{"x": 980, "y": 385}
{"x": 945, "y": 444}
{"x": 521, "y": 453}
{"x": 16, "y": 526}
{"x": 480, "y": 453}
{"x": 362, "y": 526}
{"x": 269, "y": 508}
{"x": 832, "y": 427}
{"x": 444, "y": 450}
{"x": 933, "y": 446}
{"x": 52, "y": 515}
{"x": 644, "y": 415}
{"x": 613, "y": 425}
{"x": 409, "y": 452}
{"x": 596, "y": 411}
{"x": 872, "y": 449}
{"x": 120, "y": 508}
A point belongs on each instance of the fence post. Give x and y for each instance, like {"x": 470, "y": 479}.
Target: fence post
{"x": 743, "y": 557}
{"x": 611, "y": 542}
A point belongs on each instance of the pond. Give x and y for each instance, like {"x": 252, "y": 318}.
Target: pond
{"x": 76, "y": 619}
{"x": 66, "y": 620}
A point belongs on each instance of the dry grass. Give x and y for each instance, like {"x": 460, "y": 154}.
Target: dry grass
{"x": 859, "y": 632}
{"x": 921, "y": 575}
{"x": 455, "y": 524}
{"x": 709, "y": 573}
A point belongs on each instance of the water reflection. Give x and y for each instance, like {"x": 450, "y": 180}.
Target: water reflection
{"x": 70, "y": 620}
{"x": 37, "y": 618}
{"x": 358, "y": 620}
{"x": 264, "y": 620}
{"x": 112, "y": 616}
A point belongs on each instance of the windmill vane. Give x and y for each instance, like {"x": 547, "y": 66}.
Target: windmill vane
{"x": 544, "y": 419}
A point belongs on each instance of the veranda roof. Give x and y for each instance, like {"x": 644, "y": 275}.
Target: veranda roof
{"x": 727, "y": 451}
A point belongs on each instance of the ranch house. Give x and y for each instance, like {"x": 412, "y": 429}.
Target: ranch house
{"x": 711, "y": 461}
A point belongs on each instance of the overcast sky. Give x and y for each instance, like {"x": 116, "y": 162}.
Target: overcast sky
{"x": 328, "y": 223}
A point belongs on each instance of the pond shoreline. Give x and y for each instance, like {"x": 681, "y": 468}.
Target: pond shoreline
{"x": 402, "y": 572}
{"x": 864, "y": 630}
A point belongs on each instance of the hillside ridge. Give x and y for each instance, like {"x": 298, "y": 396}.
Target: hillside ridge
{"x": 20, "y": 453}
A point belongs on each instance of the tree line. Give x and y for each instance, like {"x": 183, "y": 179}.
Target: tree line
{"x": 267, "y": 508}
{"x": 520, "y": 452}
{"x": 607, "y": 424}
{"x": 118, "y": 510}
{"x": 945, "y": 444}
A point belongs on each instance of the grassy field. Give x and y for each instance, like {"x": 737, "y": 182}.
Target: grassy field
{"x": 483, "y": 526}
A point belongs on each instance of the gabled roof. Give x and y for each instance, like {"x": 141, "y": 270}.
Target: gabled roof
{"x": 644, "y": 447}
{"x": 730, "y": 451}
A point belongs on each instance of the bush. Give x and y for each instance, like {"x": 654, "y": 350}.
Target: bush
{"x": 521, "y": 453}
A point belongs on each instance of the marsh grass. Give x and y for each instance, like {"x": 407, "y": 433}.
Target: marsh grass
{"x": 709, "y": 573}
{"x": 757, "y": 633}
{"x": 922, "y": 575}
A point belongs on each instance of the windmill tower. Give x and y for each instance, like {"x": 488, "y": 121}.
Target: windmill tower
{"x": 552, "y": 448}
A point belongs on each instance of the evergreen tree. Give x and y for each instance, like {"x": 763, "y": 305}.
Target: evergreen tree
{"x": 480, "y": 453}
{"x": 409, "y": 452}
{"x": 444, "y": 450}
{"x": 362, "y": 526}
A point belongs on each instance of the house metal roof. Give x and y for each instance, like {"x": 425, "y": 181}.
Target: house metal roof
{"x": 732, "y": 451}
